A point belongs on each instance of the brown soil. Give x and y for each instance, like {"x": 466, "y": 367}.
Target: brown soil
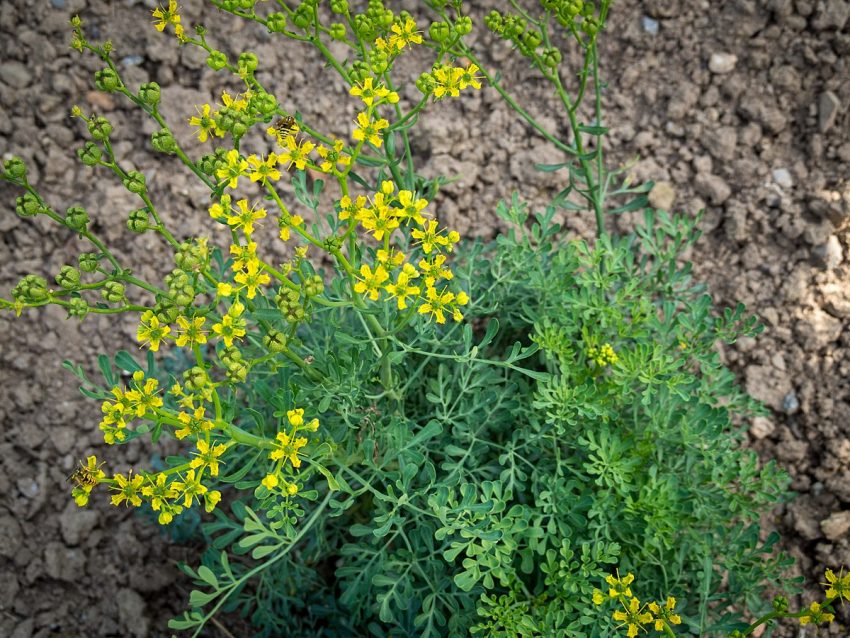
{"x": 738, "y": 107}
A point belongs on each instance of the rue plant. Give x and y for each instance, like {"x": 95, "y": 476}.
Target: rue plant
{"x": 394, "y": 431}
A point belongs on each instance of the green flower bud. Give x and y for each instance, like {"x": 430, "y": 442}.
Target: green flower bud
{"x": 166, "y": 310}
{"x": 303, "y": 16}
{"x": 164, "y": 142}
{"x": 100, "y": 128}
{"x": 216, "y": 60}
{"x": 378, "y": 61}
{"x": 90, "y": 154}
{"x": 513, "y": 26}
{"x": 78, "y": 307}
{"x": 112, "y": 291}
{"x": 192, "y": 255}
{"x": 495, "y": 22}
{"x": 196, "y": 379}
{"x": 180, "y": 288}
{"x": 248, "y": 62}
{"x": 149, "y": 93}
{"x": 27, "y": 205}
{"x": 531, "y": 40}
{"x": 440, "y": 32}
{"x": 264, "y": 103}
{"x": 138, "y": 219}
{"x": 314, "y": 286}
{"x": 364, "y": 27}
{"x": 88, "y": 262}
{"x": 339, "y": 6}
{"x": 290, "y": 305}
{"x": 551, "y": 58}
{"x": 463, "y": 25}
{"x": 200, "y": 30}
{"x": 780, "y": 604}
{"x": 274, "y": 341}
{"x": 31, "y": 289}
{"x": 134, "y": 182}
{"x": 68, "y": 277}
{"x": 230, "y": 355}
{"x": 383, "y": 18}
{"x": 237, "y": 373}
{"x": 15, "y": 168}
{"x": 241, "y": 123}
{"x": 276, "y": 23}
{"x": 107, "y": 80}
{"x": 76, "y": 218}
{"x": 338, "y": 31}
{"x": 425, "y": 83}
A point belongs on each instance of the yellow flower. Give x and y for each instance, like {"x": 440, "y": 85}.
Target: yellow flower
{"x": 433, "y": 270}
{"x": 151, "y": 331}
{"x": 233, "y": 170}
{"x": 333, "y": 157}
{"x": 379, "y": 219}
{"x": 598, "y": 597}
{"x": 430, "y": 237}
{"x": 349, "y": 208}
{"x": 191, "y": 488}
{"x": 438, "y": 303}
{"x": 207, "y": 456}
{"x": 245, "y": 217}
{"x": 665, "y": 615}
{"x": 296, "y": 153}
{"x": 286, "y": 447}
{"x": 447, "y": 81}
{"x": 191, "y": 332}
{"x": 295, "y": 417}
{"x": 405, "y": 33}
{"x": 371, "y": 283}
{"x": 264, "y": 169}
{"x": 194, "y": 423}
{"x": 158, "y": 492}
{"x": 164, "y": 16}
{"x": 837, "y": 586}
{"x": 411, "y": 208}
{"x": 369, "y": 130}
{"x": 286, "y": 222}
{"x": 128, "y": 489}
{"x": 368, "y": 93}
{"x": 243, "y": 254}
{"x": 469, "y": 78}
{"x": 402, "y": 289}
{"x": 229, "y": 328}
{"x": 619, "y": 587}
{"x": 390, "y": 259}
{"x": 205, "y": 121}
{"x": 220, "y": 210}
{"x": 633, "y": 617}
{"x": 815, "y": 614}
{"x": 270, "y": 482}
{"x": 252, "y": 278}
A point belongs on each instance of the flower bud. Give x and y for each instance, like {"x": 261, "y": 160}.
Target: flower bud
{"x": 337, "y": 31}
{"x": 31, "y": 289}
{"x": 163, "y": 141}
{"x": 15, "y": 168}
{"x": 276, "y": 23}
{"x": 314, "y": 286}
{"x": 274, "y": 341}
{"x": 378, "y": 61}
{"x": 90, "y": 154}
{"x": 112, "y": 291}
{"x": 780, "y": 604}
{"x": 88, "y": 262}
{"x": 339, "y": 6}
{"x": 237, "y": 372}
{"x": 134, "y": 182}
{"x": 166, "y": 310}
{"x": 192, "y": 255}
{"x": 303, "y": 16}
{"x": 425, "y": 83}
{"x": 68, "y": 277}
{"x": 27, "y": 205}
{"x": 495, "y": 22}
{"x": 551, "y": 58}
{"x": 137, "y": 221}
{"x": 463, "y": 25}
{"x": 216, "y": 60}
{"x": 196, "y": 378}
{"x": 149, "y": 93}
{"x": 264, "y": 103}
{"x": 77, "y": 307}
{"x": 76, "y": 218}
{"x": 440, "y": 31}
{"x": 248, "y": 61}
{"x": 531, "y": 40}
{"x": 100, "y": 128}
{"x": 107, "y": 80}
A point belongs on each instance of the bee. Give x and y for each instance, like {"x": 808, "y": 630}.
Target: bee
{"x": 84, "y": 476}
{"x": 285, "y": 127}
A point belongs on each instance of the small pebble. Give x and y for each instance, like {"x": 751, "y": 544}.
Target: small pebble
{"x": 132, "y": 60}
{"x": 58, "y": 4}
{"x": 721, "y": 63}
{"x": 649, "y": 25}
{"x": 827, "y": 110}
{"x": 790, "y": 403}
{"x": 782, "y": 176}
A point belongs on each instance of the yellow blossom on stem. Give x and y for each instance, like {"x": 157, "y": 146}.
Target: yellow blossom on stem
{"x": 128, "y": 488}
{"x": 243, "y": 254}
{"x": 264, "y": 170}
{"x": 666, "y": 614}
{"x": 349, "y": 208}
{"x": 405, "y": 33}
{"x": 211, "y": 499}
{"x": 190, "y": 488}
{"x": 469, "y": 78}
{"x": 245, "y": 217}
{"x": 837, "y": 586}
{"x": 390, "y": 259}
{"x": 270, "y": 482}
{"x": 239, "y": 103}
{"x": 286, "y": 222}
{"x": 369, "y": 93}
{"x": 438, "y": 303}
{"x": 430, "y": 237}
{"x": 378, "y": 220}
{"x": 296, "y": 153}
{"x": 148, "y": 400}
{"x": 220, "y": 210}
{"x": 402, "y": 289}
{"x": 434, "y": 270}
{"x": 411, "y": 208}
{"x": 194, "y": 423}
{"x": 229, "y": 328}
{"x": 620, "y": 587}
{"x": 157, "y": 492}
{"x": 369, "y": 130}
{"x": 252, "y": 278}
{"x": 369, "y": 283}
{"x": 164, "y": 16}
{"x": 150, "y": 330}
{"x": 816, "y": 614}
{"x": 632, "y": 617}
{"x": 207, "y": 456}
{"x": 287, "y": 447}
{"x": 233, "y": 169}
{"x": 447, "y": 81}
{"x": 191, "y": 332}
{"x": 333, "y": 158}
{"x": 295, "y": 417}
{"x": 205, "y": 121}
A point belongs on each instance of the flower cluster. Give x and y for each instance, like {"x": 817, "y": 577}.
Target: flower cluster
{"x": 285, "y": 453}
{"x": 603, "y": 355}
{"x": 140, "y": 401}
{"x": 634, "y": 616}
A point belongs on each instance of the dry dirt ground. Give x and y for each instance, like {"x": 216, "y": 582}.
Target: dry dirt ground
{"x": 739, "y": 107}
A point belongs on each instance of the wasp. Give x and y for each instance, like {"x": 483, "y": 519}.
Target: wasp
{"x": 85, "y": 476}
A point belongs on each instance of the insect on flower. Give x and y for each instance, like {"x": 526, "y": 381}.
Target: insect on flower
{"x": 85, "y": 476}
{"x": 285, "y": 126}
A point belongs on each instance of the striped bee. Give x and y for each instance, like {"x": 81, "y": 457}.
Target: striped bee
{"x": 285, "y": 127}
{"x": 84, "y": 476}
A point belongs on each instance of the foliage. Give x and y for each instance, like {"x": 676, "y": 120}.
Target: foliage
{"x": 370, "y": 467}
